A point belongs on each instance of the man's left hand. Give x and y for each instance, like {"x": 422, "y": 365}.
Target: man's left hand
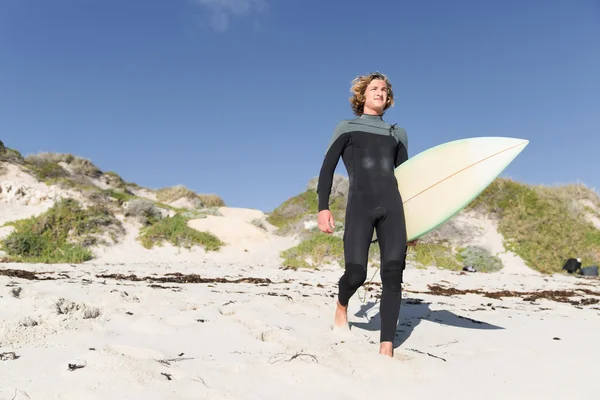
{"x": 412, "y": 242}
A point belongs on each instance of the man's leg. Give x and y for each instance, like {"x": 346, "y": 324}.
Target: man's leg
{"x": 357, "y": 240}
{"x": 391, "y": 235}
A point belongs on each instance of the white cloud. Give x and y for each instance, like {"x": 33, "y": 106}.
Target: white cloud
{"x": 222, "y": 11}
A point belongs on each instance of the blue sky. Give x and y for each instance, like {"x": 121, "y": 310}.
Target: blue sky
{"x": 240, "y": 97}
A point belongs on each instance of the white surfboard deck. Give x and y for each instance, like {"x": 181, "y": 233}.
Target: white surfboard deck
{"x": 438, "y": 183}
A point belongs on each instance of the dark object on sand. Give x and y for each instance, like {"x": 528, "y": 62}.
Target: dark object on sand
{"x": 589, "y": 271}
{"x": 572, "y": 265}
{"x": 76, "y": 364}
{"x": 468, "y": 268}
{"x": 10, "y": 355}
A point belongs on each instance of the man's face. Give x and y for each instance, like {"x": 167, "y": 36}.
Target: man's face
{"x": 376, "y": 96}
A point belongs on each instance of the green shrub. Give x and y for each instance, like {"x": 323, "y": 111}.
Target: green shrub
{"x": 298, "y": 207}
{"x": 10, "y": 155}
{"x": 83, "y": 166}
{"x": 46, "y": 166}
{"x": 115, "y": 180}
{"x": 120, "y": 196}
{"x": 323, "y": 248}
{"x": 211, "y": 200}
{"x": 176, "y": 231}
{"x": 480, "y": 259}
{"x": 320, "y": 247}
{"x": 63, "y": 234}
{"x": 144, "y": 211}
{"x": 440, "y": 255}
{"x": 167, "y": 195}
{"x": 50, "y": 170}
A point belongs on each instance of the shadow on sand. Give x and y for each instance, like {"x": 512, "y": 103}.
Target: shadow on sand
{"x": 412, "y": 312}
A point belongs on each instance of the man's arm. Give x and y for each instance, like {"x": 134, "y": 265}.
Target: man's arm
{"x": 402, "y": 149}
{"x": 401, "y": 154}
{"x": 332, "y": 156}
{"x": 401, "y": 157}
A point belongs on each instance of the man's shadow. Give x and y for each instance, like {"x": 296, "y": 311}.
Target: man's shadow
{"x": 412, "y": 312}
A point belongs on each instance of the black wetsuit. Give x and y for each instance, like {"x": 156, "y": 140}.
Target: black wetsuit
{"x": 371, "y": 149}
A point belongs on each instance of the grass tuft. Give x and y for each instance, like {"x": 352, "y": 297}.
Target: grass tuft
{"x": 120, "y": 196}
{"x": 480, "y": 259}
{"x": 114, "y": 180}
{"x": 167, "y": 195}
{"x": 9, "y": 155}
{"x": 176, "y": 231}
{"x": 144, "y": 211}
{"x": 440, "y": 255}
{"x": 302, "y": 206}
{"x": 171, "y": 194}
{"x": 320, "y": 248}
{"x": 47, "y": 166}
{"x": 211, "y": 200}
{"x": 63, "y": 234}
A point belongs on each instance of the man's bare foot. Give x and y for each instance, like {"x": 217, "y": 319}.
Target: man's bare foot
{"x": 341, "y": 316}
{"x": 386, "y": 348}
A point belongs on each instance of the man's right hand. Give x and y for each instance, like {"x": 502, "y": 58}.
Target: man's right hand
{"x": 326, "y": 223}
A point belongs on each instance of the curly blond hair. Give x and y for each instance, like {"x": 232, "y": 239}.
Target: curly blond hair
{"x": 360, "y": 83}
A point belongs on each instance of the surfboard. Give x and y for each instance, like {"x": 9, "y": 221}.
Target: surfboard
{"x": 439, "y": 182}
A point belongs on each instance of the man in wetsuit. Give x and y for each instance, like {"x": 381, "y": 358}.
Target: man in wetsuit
{"x": 371, "y": 149}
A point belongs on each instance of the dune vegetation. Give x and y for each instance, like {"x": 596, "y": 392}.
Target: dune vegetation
{"x": 316, "y": 247}
{"x": 176, "y": 231}
{"x": 174, "y": 193}
{"x": 543, "y": 225}
{"x": 67, "y": 231}
{"x": 63, "y": 234}
{"x": 302, "y": 207}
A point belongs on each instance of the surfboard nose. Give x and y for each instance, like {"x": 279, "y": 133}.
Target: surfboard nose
{"x": 507, "y": 141}
{"x": 437, "y": 183}
{"x": 519, "y": 144}
{"x": 502, "y": 144}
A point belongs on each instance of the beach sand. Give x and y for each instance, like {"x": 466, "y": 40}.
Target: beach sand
{"x": 238, "y": 325}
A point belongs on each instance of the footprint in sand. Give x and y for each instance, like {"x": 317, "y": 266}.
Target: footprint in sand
{"x": 402, "y": 356}
{"x": 266, "y": 333}
{"x": 229, "y": 308}
{"x": 246, "y": 316}
{"x": 125, "y": 296}
{"x": 140, "y": 365}
{"x": 64, "y": 306}
{"x": 341, "y": 331}
{"x": 16, "y": 292}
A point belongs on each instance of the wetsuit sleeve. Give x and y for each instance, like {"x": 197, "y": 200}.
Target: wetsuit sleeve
{"x": 402, "y": 149}
{"x": 401, "y": 154}
{"x": 332, "y": 156}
